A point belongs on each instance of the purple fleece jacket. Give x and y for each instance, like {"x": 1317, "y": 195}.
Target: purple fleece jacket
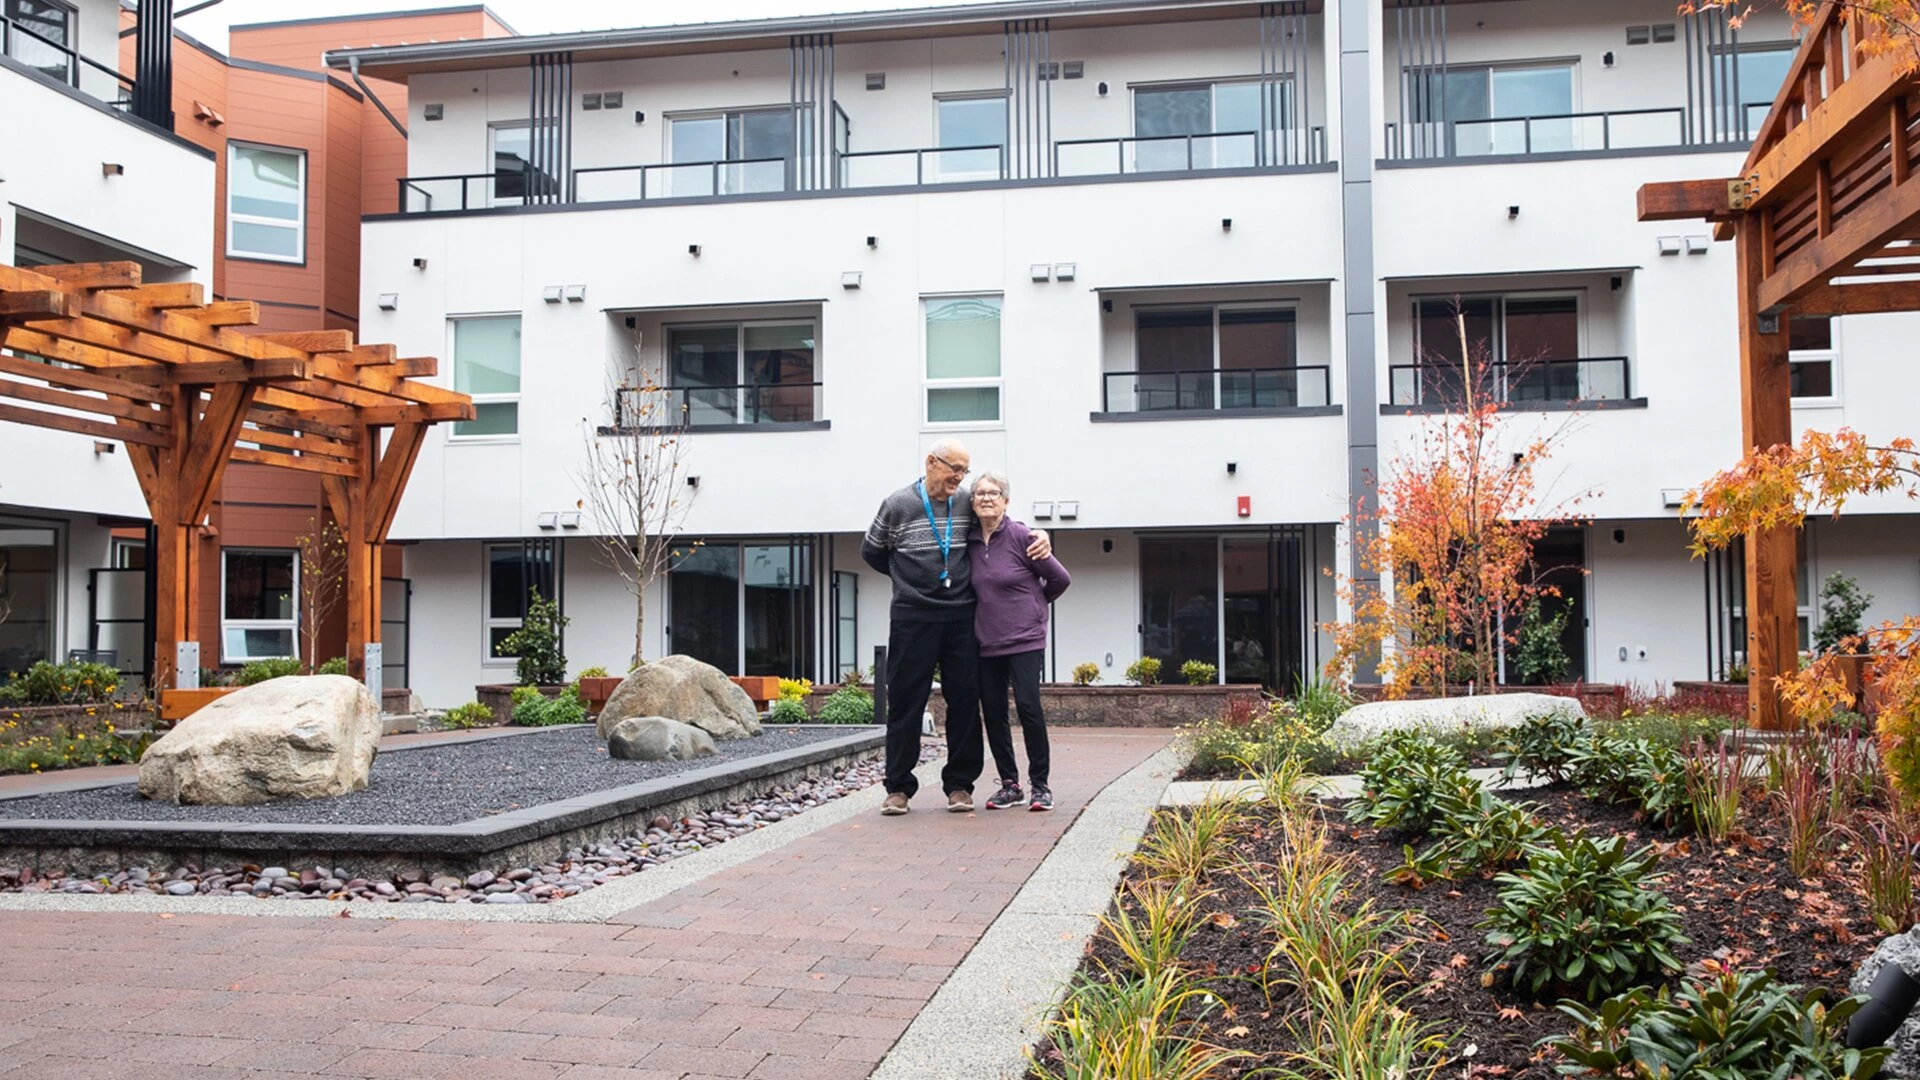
{"x": 1013, "y": 590}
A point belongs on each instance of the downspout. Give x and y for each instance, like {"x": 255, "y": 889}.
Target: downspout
{"x": 353, "y": 69}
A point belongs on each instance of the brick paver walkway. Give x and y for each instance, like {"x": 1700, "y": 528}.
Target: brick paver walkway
{"x": 806, "y": 962}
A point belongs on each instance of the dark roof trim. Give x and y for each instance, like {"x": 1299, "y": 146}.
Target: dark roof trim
{"x": 9, "y": 63}
{"x": 1563, "y": 271}
{"x": 276, "y": 69}
{"x": 986, "y": 17}
{"x": 322, "y": 20}
{"x": 1176, "y": 287}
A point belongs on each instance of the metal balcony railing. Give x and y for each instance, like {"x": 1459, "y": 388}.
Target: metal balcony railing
{"x": 745, "y": 405}
{"x": 1186, "y": 153}
{"x": 1216, "y": 388}
{"x": 1617, "y": 129}
{"x": 57, "y": 61}
{"x": 680, "y": 180}
{"x": 922, "y": 166}
{"x": 1598, "y": 378}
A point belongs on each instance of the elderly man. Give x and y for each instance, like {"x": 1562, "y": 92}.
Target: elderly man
{"x": 919, "y": 539}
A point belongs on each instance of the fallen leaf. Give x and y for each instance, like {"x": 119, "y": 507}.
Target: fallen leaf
{"x": 1508, "y": 1012}
{"x": 1237, "y": 1032}
{"x": 166, "y": 914}
{"x": 1224, "y": 920}
{"x": 1458, "y": 962}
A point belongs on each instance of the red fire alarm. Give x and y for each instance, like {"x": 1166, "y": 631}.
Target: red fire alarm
{"x": 1244, "y": 504}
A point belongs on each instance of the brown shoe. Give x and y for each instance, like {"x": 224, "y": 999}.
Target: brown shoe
{"x": 960, "y": 802}
{"x": 895, "y": 805}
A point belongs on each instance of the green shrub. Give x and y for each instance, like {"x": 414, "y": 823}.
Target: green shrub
{"x": 335, "y": 666}
{"x": 1728, "y": 1025}
{"x": 1406, "y": 781}
{"x": 1086, "y": 674}
{"x": 1199, "y": 673}
{"x": 1543, "y": 746}
{"x": 1260, "y": 742}
{"x": 1539, "y": 653}
{"x": 1679, "y": 730}
{"x": 847, "y": 705}
{"x": 594, "y": 672}
{"x": 1477, "y": 830}
{"x": 1144, "y": 671}
{"x": 538, "y": 710}
{"x": 1843, "y": 604}
{"x": 790, "y": 711}
{"x": 1649, "y": 774}
{"x": 47, "y": 752}
{"x": 471, "y": 715}
{"x": 1583, "y": 917}
{"x": 1318, "y": 703}
{"x": 47, "y": 683}
{"x": 795, "y": 689}
{"x": 537, "y": 644}
{"x": 260, "y": 671}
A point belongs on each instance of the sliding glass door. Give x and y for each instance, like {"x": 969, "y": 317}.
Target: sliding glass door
{"x": 747, "y": 609}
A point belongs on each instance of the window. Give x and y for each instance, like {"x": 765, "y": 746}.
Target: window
{"x": 753, "y": 147}
{"x": 1463, "y": 108}
{"x": 1223, "y": 118}
{"x": 258, "y": 606}
{"x": 1239, "y": 356}
{"x": 972, "y": 120}
{"x": 1527, "y": 348}
{"x": 29, "y": 593}
{"x": 513, "y": 572}
{"x": 743, "y": 607}
{"x": 41, "y": 37}
{"x": 963, "y": 360}
{"x": 266, "y": 203}
{"x": 1811, "y": 359}
{"x": 743, "y": 373}
{"x": 1755, "y": 75}
{"x": 515, "y": 180}
{"x": 486, "y": 364}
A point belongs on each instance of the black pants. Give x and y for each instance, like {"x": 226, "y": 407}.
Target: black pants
{"x": 1023, "y": 671}
{"x": 913, "y": 648}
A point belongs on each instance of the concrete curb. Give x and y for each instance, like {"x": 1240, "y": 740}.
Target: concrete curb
{"x": 991, "y": 1008}
{"x": 594, "y": 906}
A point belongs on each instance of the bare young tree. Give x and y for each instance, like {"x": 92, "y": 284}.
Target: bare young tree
{"x": 634, "y": 481}
{"x": 323, "y": 567}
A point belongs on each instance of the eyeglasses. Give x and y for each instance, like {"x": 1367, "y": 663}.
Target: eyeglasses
{"x": 990, "y": 496}
{"x": 957, "y": 470}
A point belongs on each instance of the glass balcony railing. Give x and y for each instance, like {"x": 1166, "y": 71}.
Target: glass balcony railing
{"x": 1203, "y": 389}
{"x": 744, "y": 405}
{"x": 1445, "y": 385}
{"x": 53, "y": 58}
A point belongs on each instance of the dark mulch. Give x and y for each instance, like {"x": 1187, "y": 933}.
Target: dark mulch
{"x": 1738, "y": 903}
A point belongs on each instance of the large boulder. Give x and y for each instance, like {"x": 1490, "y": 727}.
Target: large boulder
{"x": 684, "y": 689}
{"x": 298, "y": 737}
{"x": 1904, "y": 950}
{"x": 1446, "y": 715}
{"x": 656, "y": 738}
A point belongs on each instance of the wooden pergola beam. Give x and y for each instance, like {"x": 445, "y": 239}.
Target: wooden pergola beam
{"x": 187, "y": 393}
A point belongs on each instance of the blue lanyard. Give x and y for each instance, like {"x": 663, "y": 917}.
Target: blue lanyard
{"x": 945, "y": 542}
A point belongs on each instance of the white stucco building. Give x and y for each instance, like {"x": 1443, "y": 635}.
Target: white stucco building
{"x": 90, "y": 171}
{"x": 1179, "y": 269}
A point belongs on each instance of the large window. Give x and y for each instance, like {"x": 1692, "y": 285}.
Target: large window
{"x": 515, "y": 180}
{"x": 266, "y": 203}
{"x": 1235, "y": 356}
{"x": 1223, "y": 120}
{"x": 963, "y": 360}
{"x": 258, "y": 604}
{"x": 1756, "y": 72}
{"x": 1482, "y": 109}
{"x": 752, "y": 146}
{"x": 41, "y": 35}
{"x": 1813, "y": 360}
{"x": 29, "y": 593}
{"x": 743, "y": 373}
{"x": 744, "y": 608}
{"x": 486, "y": 364}
{"x": 514, "y": 571}
{"x": 1521, "y": 348}
{"x": 966, "y": 123}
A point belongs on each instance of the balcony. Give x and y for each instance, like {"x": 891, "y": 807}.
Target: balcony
{"x": 786, "y": 406}
{"x": 1544, "y": 384}
{"x": 1223, "y": 389}
{"x": 42, "y": 47}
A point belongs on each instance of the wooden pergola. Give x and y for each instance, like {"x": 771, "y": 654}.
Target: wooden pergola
{"x": 1825, "y": 221}
{"x": 170, "y": 376}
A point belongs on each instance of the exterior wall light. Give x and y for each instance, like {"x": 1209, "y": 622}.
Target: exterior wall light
{"x": 388, "y": 301}
{"x": 693, "y": 250}
{"x": 112, "y": 168}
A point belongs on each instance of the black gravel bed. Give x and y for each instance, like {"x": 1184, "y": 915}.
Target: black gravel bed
{"x": 446, "y": 784}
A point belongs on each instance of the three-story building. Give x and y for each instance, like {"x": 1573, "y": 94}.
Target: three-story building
{"x": 1190, "y": 273}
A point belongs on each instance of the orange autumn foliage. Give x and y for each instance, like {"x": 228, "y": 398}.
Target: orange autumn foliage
{"x": 1890, "y": 27}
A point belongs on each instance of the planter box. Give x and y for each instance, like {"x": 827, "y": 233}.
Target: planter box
{"x": 1598, "y": 699}
{"x": 761, "y": 688}
{"x": 596, "y": 690}
{"x": 1723, "y": 697}
{"x": 177, "y": 705}
{"x": 499, "y": 698}
{"x": 1067, "y": 705}
{"x": 46, "y": 721}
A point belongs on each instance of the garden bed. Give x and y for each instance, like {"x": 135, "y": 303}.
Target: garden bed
{"x": 1158, "y": 706}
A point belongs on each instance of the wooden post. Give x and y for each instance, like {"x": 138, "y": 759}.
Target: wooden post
{"x": 1766, "y": 420}
{"x": 362, "y": 573}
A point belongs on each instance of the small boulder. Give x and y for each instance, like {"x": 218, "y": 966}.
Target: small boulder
{"x": 656, "y": 738}
{"x": 1904, "y": 950}
{"x": 684, "y": 689}
{"x": 1446, "y": 715}
{"x": 300, "y": 737}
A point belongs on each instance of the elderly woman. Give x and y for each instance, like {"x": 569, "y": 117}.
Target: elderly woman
{"x": 1011, "y": 624}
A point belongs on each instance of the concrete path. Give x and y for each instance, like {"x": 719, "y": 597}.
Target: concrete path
{"x": 807, "y": 959}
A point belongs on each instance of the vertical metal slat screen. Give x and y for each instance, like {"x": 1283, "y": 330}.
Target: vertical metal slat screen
{"x": 811, "y": 103}
{"x": 1285, "y": 87}
{"x": 1028, "y": 52}
{"x": 549, "y": 127}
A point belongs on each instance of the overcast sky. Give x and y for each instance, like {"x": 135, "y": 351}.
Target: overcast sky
{"x": 531, "y": 16}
